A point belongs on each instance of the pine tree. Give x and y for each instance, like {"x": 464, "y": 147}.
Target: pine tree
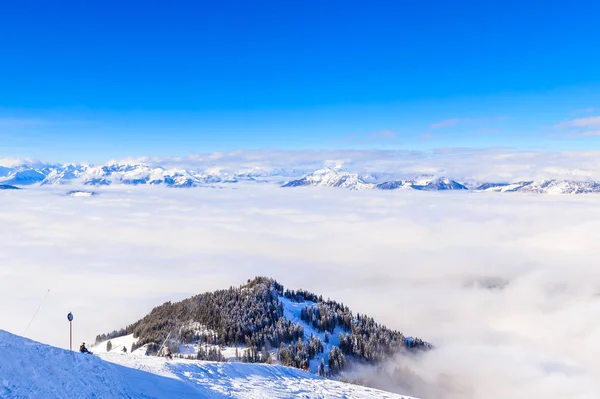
{"x": 108, "y": 346}
{"x": 265, "y": 356}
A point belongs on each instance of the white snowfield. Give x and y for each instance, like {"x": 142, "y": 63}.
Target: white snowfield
{"x": 33, "y": 370}
{"x": 118, "y": 344}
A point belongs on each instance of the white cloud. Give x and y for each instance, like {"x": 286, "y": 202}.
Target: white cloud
{"x": 590, "y": 121}
{"x": 14, "y": 161}
{"x": 418, "y": 262}
{"x": 493, "y": 164}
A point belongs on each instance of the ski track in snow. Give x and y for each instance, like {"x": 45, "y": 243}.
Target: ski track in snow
{"x": 33, "y": 370}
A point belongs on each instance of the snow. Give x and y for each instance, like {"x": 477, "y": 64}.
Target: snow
{"x": 334, "y": 176}
{"x": 79, "y": 193}
{"x": 118, "y": 344}
{"x": 291, "y": 311}
{"x": 33, "y": 370}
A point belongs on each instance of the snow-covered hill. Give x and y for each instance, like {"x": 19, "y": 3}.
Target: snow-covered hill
{"x": 265, "y": 323}
{"x": 36, "y": 371}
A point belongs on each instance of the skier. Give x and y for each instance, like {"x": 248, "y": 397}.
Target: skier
{"x": 166, "y": 352}
{"x": 83, "y": 349}
{"x": 125, "y": 349}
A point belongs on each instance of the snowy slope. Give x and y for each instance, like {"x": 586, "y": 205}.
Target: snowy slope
{"x": 291, "y": 311}
{"x": 118, "y": 344}
{"x": 32, "y": 370}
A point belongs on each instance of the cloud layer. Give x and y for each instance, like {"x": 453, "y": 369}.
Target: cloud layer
{"x": 491, "y": 165}
{"x": 465, "y": 164}
{"x": 507, "y": 287}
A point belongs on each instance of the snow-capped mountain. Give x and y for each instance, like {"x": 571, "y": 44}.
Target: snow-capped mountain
{"x": 22, "y": 176}
{"x": 104, "y": 175}
{"x": 332, "y": 177}
{"x": 265, "y": 172}
{"x": 4, "y": 171}
{"x": 34, "y": 370}
{"x": 544, "y": 187}
{"x": 395, "y": 185}
{"x": 424, "y": 184}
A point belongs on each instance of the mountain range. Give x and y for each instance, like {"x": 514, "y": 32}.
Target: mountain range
{"x": 332, "y": 176}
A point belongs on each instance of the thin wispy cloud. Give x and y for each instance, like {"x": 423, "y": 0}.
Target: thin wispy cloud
{"x": 383, "y": 134}
{"x": 431, "y": 136}
{"x": 492, "y": 164}
{"x": 485, "y": 131}
{"x": 587, "y": 133}
{"x": 348, "y": 138}
{"x": 591, "y": 121}
{"x": 11, "y": 123}
{"x": 447, "y": 123}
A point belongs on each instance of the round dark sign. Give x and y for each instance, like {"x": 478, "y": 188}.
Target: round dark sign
{"x": 70, "y": 316}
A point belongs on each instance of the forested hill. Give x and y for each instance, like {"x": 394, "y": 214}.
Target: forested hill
{"x": 268, "y": 323}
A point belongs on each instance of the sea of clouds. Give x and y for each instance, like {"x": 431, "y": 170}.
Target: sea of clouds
{"x": 506, "y": 286}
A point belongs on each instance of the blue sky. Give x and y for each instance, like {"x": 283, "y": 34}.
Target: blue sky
{"x": 82, "y": 81}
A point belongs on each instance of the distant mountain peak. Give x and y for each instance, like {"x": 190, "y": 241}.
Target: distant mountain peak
{"x": 331, "y": 177}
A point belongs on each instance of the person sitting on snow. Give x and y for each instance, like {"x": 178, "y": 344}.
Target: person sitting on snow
{"x": 83, "y": 349}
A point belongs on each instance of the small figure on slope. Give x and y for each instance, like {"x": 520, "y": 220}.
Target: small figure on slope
{"x": 166, "y": 352}
{"x": 83, "y": 349}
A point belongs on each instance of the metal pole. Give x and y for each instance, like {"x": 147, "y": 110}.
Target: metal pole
{"x": 164, "y": 342}
{"x": 70, "y": 318}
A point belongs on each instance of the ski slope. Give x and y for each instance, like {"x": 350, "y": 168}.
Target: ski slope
{"x": 118, "y": 344}
{"x": 292, "y": 311}
{"x": 33, "y": 370}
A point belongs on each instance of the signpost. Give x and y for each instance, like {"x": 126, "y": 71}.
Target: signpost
{"x": 70, "y": 318}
